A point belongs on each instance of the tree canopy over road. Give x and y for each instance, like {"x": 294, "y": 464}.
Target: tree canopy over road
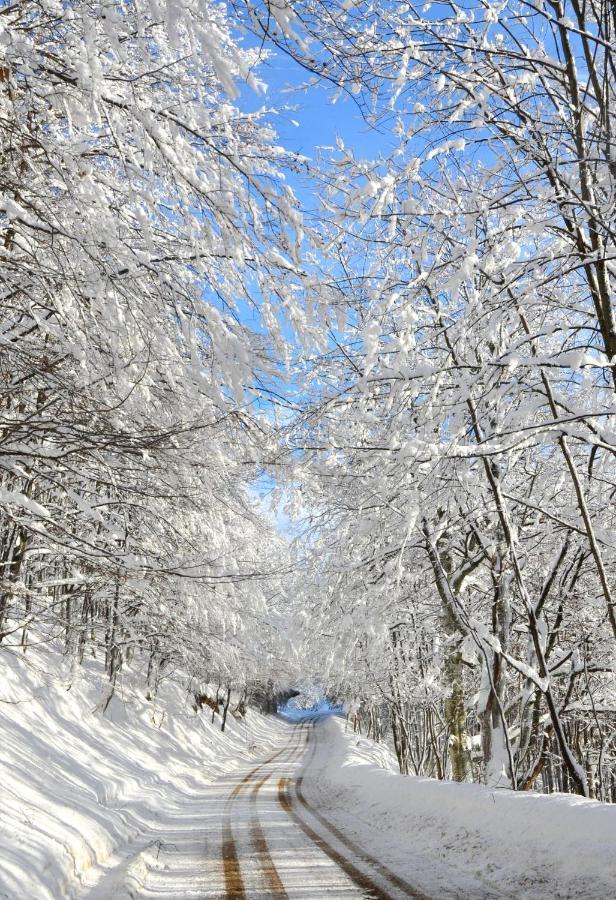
{"x": 412, "y": 345}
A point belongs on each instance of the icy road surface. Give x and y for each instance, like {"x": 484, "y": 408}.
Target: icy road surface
{"x": 259, "y": 837}
{"x": 276, "y": 844}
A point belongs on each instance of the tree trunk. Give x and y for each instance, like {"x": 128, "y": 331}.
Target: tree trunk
{"x": 225, "y": 710}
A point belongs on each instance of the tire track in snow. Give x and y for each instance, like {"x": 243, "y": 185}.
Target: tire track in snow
{"x": 363, "y": 881}
{"x": 234, "y": 882}
{"x": 259, "y": 841}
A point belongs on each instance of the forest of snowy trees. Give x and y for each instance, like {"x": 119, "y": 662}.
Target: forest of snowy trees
{"x": 141, "y": 210}
{"x": 419, "y": 360}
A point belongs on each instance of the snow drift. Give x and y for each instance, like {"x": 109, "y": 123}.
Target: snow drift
{"x": 463, "y": 840}
{"x": 89, "y": 797}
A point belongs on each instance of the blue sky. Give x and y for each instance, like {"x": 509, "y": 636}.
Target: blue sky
{"x": 313, "y": 118}
{"x": 320, "y": 116}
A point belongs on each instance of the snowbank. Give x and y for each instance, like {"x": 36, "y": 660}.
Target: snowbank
{"x": 463, "y": 841}
{"x": 89, "y": 798}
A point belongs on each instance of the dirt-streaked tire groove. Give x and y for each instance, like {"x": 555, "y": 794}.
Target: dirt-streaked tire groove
{"x": 400, "y": 883}
{"x": 234, "y": 882}
{"x": 268, "y": 869}
{"x": 363, "y": 882}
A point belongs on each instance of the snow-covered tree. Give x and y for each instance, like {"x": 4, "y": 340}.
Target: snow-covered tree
{"x": 145, "y": 226}
{"x": 459, "y": 448}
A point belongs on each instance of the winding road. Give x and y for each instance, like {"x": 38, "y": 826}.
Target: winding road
{"x": 275, "y": 844}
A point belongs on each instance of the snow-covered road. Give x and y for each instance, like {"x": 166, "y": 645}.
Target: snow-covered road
{"x": 256, "y": 835}
{"x": 274, "y": 843}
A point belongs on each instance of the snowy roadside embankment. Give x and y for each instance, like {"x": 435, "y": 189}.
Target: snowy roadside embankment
{"x": 89, "y": 800}
{"x": 462, "y": 840}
